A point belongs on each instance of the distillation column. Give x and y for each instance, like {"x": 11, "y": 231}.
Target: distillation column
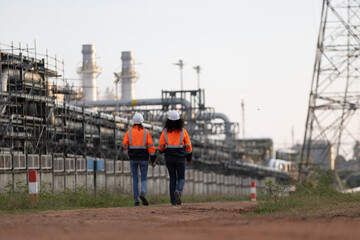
{"x": 128, "y": 76}
{"x": 89, "y": 72}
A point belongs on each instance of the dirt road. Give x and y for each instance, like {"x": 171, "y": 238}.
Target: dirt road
{"x": 219, "y": 220}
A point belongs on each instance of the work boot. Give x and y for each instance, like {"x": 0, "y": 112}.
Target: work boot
{"x": 137, "y": 204}
{"x": 177, "y": 197}
{"x": 144, "y": 200}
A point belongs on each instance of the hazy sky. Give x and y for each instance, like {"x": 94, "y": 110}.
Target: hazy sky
{"x": 261, "y": 49}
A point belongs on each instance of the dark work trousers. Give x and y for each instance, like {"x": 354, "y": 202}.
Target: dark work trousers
{"x": 176, "y": 168}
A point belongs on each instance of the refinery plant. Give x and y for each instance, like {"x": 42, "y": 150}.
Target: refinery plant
{"x": 82, "y": 157}
{"x": 48, "y": 125}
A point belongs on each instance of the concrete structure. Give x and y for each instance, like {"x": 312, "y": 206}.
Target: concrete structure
{"x": 115, "y": 176}
{"x": 89, "y": 72}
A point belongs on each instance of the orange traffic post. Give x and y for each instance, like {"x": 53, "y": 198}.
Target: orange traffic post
{"x": 253, "y": 191}
{"x": 33, "y": 186}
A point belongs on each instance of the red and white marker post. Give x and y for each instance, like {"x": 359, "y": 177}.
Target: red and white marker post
{"x": 253, "y": 191}
{"x": 33, "y": 186}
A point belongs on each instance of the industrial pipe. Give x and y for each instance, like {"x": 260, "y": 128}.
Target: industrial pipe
{"x": 158, "y": 101}
{"x": 135, "y": 102}
{"x": 131, "y": 102}
{"x": 89, "y": 129}
{"x": 216, "y": 115}
{"x": 15, "y": 73}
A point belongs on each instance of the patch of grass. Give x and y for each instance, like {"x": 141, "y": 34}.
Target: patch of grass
{"x": 212, "y": 198}
{"x": 16, "y": 200}
{"x": 315, "y": 197}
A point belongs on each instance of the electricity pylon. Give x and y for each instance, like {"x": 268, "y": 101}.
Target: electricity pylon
{"x": 333, "y": 118}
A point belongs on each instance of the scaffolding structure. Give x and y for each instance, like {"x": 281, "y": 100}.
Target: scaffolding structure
{"x": 27, "y": 99}
{"x": 332, "y": 124}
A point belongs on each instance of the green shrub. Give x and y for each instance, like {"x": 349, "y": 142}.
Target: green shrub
{"x": 314, "y": 196}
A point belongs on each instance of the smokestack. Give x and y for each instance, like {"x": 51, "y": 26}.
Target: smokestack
{"x": 89, "y": 72}
{"x": 128, "y": 76}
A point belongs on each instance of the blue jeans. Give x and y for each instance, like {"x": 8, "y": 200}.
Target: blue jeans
{"x": 176, "y": 170}
{"x": 135, "y": 174}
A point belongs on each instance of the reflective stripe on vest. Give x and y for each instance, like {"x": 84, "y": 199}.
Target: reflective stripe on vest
{"x": 131, "y": 146}
{"x": 174, "y": 146}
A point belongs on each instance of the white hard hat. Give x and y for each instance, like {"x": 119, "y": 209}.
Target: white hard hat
{"x": 173, "y": 115}
{"x": 137, "y": 118}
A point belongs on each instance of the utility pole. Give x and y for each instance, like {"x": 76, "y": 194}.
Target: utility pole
{"x": 181, "y": 66}
{"x": 243, "y": 116}
{"x": 117, "y": 79}
{"x": 197, "y": 69}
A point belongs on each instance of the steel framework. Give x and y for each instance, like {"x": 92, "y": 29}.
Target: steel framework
{"x": 333, "y": 120}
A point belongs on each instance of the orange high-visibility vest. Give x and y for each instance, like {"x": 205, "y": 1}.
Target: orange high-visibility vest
{"x": 175, "y": 143}
{"x": 139, "y": 142}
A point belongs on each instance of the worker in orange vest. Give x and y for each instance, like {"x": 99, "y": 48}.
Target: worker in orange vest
{"x": 175, "y": 144}
{"x": 140, "y": 146}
